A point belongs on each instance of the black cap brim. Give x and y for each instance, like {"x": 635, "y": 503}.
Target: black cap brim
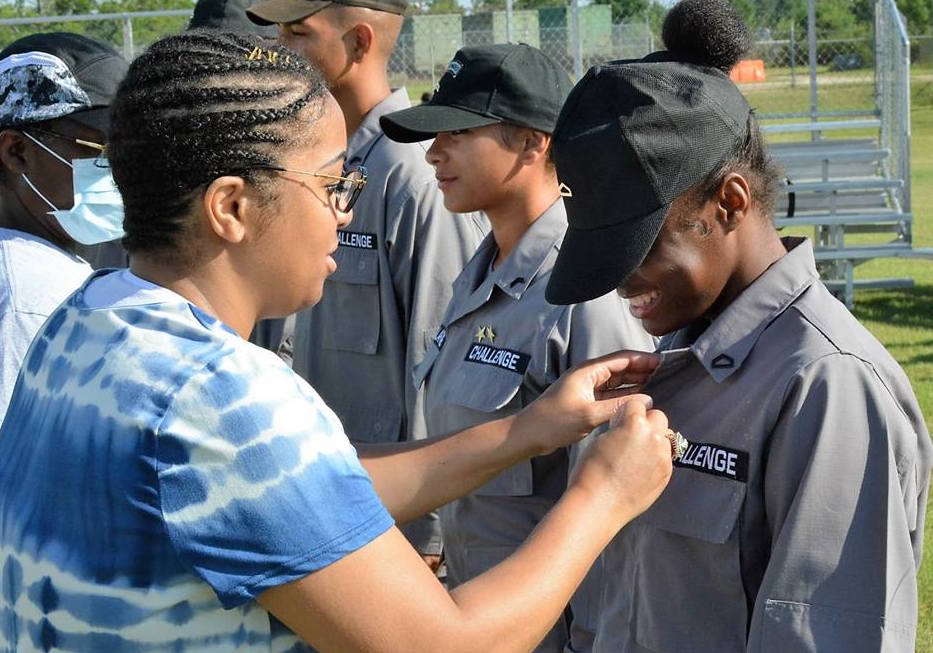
{"x": 281, "y": 12}
{"x": 96, "y": 118}
{"x": 593, "y": 262}
{"x": 428, "y": 120}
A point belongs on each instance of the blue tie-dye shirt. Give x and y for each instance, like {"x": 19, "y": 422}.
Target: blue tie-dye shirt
{"x": 158, "y": 473}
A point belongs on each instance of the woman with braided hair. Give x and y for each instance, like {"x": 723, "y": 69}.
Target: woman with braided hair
{"x": 169, "y": 486}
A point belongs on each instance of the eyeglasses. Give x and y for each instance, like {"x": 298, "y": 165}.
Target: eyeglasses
{"x": 343, "y": 192}
{"x": 78, "y": 141}
{"x": 100, "y": 160}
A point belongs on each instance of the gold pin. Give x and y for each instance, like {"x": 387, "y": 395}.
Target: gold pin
{"x": 679, "y": 444}
{"x": 564, "y": 190}
{"x": 485, "y": 333}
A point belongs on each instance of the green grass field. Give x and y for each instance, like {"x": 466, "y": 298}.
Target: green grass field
{"x": 902, "y": 319}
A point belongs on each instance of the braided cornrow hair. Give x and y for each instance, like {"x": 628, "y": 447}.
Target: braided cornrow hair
{"x": 194, "y": 107}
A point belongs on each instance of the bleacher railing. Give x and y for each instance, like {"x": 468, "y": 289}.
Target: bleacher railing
{"x": 892, "y": 86}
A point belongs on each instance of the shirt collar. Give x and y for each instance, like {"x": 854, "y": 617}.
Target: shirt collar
{"x": 369, "y": 130}
{"x": 522, "y": 264}
{"x": 473, "y": 287}
{"x": 723, "y": 346}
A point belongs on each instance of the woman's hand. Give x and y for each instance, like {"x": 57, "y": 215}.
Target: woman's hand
{"x": 584, "y": 398}
{"x": 628, "y": 466}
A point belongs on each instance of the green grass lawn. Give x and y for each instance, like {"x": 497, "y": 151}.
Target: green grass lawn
{"x": 902, "y": 319}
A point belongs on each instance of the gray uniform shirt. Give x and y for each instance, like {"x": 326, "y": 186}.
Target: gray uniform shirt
{"x": 396, "y": 262}
{"x": 499, "y": 347}
{"x": 794, "y": 521}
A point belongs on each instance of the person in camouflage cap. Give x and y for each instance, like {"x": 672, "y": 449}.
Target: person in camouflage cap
{"x": 55, "y": 90}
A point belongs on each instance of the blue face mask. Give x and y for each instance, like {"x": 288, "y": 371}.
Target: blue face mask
{"x": 97, "y": 214}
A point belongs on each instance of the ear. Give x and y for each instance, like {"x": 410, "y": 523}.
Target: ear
{"x": 734, "y": 201}
{"x": 359, "y": 41}
{"x": 228, "y": 209}
{"x": 13, "y": 151}
{"x": 535, "y": 146}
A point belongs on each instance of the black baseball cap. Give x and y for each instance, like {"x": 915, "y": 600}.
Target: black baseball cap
{"x": 228, "y": 15}
{"x": 58, "y": 74}
{"x": 485, "y": 85}
{"x": 632, "y": 137}
{"x": 271, "y": 12}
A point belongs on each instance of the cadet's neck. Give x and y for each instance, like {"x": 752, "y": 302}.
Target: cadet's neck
{"x": 360, "y": 96}
{"x": 760, "y": 246}
{"x": 517, "y": 211}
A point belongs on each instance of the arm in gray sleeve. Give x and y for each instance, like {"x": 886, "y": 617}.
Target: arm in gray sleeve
{"x": 585, "y": 331}
{"x": 843, "y": 506}
{"x": 428, "y": 247}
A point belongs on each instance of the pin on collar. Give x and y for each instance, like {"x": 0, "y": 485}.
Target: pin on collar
{"x": 564, "y": 190}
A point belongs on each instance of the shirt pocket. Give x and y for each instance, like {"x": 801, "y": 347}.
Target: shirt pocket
{"x": 495, "y": 392}
{"x": 486, "y": 390}
{"x": 688, "y": 567}
{"x": 351, "y": 312}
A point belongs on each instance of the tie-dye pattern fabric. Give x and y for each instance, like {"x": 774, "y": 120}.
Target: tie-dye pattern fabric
{"x": 159, "y": 473}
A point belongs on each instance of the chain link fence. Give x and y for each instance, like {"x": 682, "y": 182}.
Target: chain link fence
{"x": 836, "y": 57}
{"x": 893, "y": 92}
{"x": 128, "y": 32}
{"x": 828, "y": 70}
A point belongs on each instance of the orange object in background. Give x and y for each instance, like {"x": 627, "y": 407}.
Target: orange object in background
{"x": 748, "y": 70}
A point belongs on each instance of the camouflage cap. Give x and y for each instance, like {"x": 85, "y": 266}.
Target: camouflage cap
{"x": 53, "y": 75}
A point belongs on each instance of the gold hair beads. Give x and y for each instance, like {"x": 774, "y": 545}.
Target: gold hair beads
{"x": 271, "y": 56}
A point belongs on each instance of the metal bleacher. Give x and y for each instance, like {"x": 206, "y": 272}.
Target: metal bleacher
{"x": 849, "y": 179}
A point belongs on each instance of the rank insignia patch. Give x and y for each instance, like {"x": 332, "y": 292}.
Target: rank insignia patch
{"x": 485, "y": 333}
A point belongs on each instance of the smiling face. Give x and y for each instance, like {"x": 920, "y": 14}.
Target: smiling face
{"x": 473, "y": 167}
{"x": 688, "y": 270}
{"x": 296, "y": 246}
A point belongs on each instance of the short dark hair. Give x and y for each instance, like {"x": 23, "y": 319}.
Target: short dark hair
{"x": 751, "y": 159}
{"x": 196, "y": 106}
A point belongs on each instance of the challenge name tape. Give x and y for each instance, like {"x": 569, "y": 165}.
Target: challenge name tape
{"x": 356, "y": 239}
{"x": 514, "y": 361}
{"x": 716, "y": 460}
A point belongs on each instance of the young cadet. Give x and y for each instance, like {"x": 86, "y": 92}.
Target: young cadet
{"x": 794, "y": 522}
{"x": 403, "y": 250}
{"x": 500, "y": 343}
{"x": 53, "y": 123}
